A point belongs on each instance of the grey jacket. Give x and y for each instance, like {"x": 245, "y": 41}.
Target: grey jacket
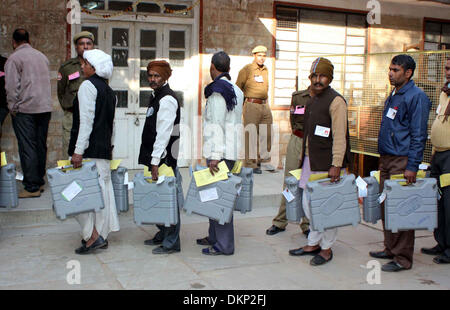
{"x": 27, "y": 81}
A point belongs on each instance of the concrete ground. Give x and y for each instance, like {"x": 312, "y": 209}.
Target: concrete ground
{"x": 35, "y": 249}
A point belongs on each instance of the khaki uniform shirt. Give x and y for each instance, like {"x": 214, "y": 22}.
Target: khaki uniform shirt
{"x": 298, "y": 104}
{"x": 440, "y": 137}
{"x": 69, "y": 80}
{"x": 254, "y": 81}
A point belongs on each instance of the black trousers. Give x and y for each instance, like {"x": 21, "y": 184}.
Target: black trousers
{"x": 222, "y": 236}
{"x": 3, "y": 114}
{"x": 31, "y": 132}
{"x": 170, "y": 236}
{"x": 441, "y": 165}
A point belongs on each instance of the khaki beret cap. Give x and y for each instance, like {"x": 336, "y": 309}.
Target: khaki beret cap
{"x": 259, "y": 49}
{"x": 83, "y": 34}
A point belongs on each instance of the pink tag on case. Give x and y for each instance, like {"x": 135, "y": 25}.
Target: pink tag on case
{"x": 2, "y": 74}
{"x": 74, "y": 76}
{"x": 299, "y": 110}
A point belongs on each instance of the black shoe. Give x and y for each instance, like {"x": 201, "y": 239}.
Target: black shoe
{"x": 212, "y": 250}
{"x": 442, "y": 259}
{"x": 153, "y": 242}
{"x": 257, "y": 171}
{"x": 103, "y": 247}
{"x": 100, "y": 242}
{"x": 392, "y": 267}
{"x": 163, "y": 250}
{"x": 203, "y": 241}
{"x": 274, "y": 230}
{"x": 306, "y": 233}
{"x": 320, "y": 260}
{"x": 301, "y": 252}
{"x": 381, "y": 255}
{"x": 432, "y": 251}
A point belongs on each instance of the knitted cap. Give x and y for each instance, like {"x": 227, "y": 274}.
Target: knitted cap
{"x": 322, "y": 66}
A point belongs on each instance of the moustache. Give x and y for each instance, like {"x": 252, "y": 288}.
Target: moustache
{"x": 319, "y": 84}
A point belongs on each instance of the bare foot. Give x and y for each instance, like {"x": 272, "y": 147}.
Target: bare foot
{"x": 325, "y": 254}
{"x": 309, "y": 248}
{"x": 94, "y": 237}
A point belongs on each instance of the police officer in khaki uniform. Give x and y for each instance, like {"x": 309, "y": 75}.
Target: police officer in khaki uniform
{"x": 253, "y": 80}
{"x": 69, "y": 80}
{"x": 294, "y": 152}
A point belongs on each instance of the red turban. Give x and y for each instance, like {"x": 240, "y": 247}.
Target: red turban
{"x": 162, "y": 67}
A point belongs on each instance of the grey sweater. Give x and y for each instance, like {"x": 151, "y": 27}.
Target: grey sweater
{"x": 27, "y": 81}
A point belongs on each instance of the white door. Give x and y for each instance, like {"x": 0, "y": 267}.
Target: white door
{"x": 132, "y": 46}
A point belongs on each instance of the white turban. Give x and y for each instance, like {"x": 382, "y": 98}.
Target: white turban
{"x": 101, "y": 61}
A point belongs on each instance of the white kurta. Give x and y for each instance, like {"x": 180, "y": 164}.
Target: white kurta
{"x": 107, "y": 219}
{"x": 327, "y": 238}
{"x": 165, "y": 119}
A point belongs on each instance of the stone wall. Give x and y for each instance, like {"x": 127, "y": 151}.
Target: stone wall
{"x": 45, "y": 20}
{"x": 236, "y": 27}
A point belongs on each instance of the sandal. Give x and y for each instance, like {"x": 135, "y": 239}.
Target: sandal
{"x": 320, "y": 260}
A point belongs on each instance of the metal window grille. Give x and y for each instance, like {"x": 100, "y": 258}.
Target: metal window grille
{"x": 366, "y": 95}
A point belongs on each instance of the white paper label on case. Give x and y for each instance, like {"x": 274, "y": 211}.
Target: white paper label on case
{"x": 360, "y": 183}
{"x": 125, "y": 179}
{"x": 362, "y": 192}
{"x": 382, "y": 197}
{"x": 208, "y": 194}
{"x": 288, "y": 195}
{"x": 161, "y": 179}
{"x": 71, "y": 191}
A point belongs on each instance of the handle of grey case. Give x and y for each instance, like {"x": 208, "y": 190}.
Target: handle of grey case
{"x": 404, "y": 180}
{"x": 329, "y": 179}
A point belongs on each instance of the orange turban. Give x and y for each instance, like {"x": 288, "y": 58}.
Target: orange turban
{"x": 162, "y": 67}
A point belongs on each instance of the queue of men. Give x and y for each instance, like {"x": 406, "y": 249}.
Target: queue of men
{"x": 319, "y": 142}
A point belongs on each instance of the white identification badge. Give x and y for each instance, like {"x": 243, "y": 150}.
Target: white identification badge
{"x": 150, "y": 111}
{"x": 423, "y": 167}
{"x": 322, "y": 131}
{"x": 438, "y": 110}
{"x": 391, "y": 113}
{"x": 288, "y": 195}
{"x": 259, "y": 79}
